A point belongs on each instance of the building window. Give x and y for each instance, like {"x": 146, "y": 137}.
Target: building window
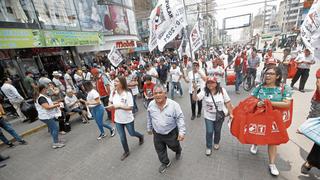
{"x": 17, "y": 14}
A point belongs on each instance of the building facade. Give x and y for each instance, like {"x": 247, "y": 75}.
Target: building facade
{"x": 50, "y": 35}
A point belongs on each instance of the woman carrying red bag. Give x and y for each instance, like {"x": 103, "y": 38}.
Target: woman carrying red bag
{"x": 280, "y": 96}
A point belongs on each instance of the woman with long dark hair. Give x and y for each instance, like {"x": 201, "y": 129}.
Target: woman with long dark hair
{"x": 122, "y": 101}
{"x": 47, "y": 110}
{"x": 96, "y": 108}
{"x": 216, "y": 100}
{"x": 280, "y": 96}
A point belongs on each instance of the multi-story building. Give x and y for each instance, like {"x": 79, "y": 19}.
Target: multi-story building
{"x": 290, "y": 14}
{"x": 50, "y": 35}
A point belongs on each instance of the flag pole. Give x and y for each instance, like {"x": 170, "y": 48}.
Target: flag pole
{"x": 188, "y": 33}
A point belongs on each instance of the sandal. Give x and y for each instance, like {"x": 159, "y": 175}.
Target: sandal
{"x": 305, "y": 168}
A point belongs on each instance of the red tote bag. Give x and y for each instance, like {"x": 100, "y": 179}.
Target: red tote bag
{"x": 240, "y": 114}
{"x": 292, "y": 68}
{"x": 287, "y": 114}
{"x": 265, "y": 127}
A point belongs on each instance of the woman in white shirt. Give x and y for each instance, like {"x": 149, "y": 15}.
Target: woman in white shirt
{"x": 215, "y": 99}
{"x": 47, "y": 110}
{"x": 96, "y": 108}
{"x": 121, "y": 100}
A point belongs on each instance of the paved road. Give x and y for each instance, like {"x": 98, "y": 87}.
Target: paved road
{"x": 86, "y": 158}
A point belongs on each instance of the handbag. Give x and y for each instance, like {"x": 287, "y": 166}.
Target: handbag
{"x": 311, "y": 129}
{"x": 219, "y": 114}
{"x": 89, "y": 115}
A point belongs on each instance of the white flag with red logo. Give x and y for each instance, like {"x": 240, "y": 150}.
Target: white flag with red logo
{"x": 195, "y": 38}
{"x": 115, "y": 56}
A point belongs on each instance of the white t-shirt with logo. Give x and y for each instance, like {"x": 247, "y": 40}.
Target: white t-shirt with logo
{"x": 92, "y": 95}
{"x": 125, "y": 99}
{"x": 216, "y": 72}
{"x": 175, "y": 74}
{"x": 302, "y": 57}
{"x": 198, "y": 80}
{"x": 153, "y": 72}
{"x": 208, "y": 105}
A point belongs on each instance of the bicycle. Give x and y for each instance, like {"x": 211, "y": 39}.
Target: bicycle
{"x": 248, "y": 80}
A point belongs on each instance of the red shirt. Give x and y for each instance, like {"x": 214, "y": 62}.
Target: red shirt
{"x": 148, "y": 89}
{"x": 316, "y": 96}
{"x": 101, "y": 88}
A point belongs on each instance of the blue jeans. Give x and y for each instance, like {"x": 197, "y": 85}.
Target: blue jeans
{"x": 238, "y": 80}
{"x": 6, "y": 126}
{"x": 173, "y": 85}
{"x": 53, "y": 128}
{"x": 122, "y": 134}
{"x": 97, "y": 113}
{"x": 135, "y": 107}
{"x": 213, "y": 127}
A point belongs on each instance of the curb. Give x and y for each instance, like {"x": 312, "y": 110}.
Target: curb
{"x": 27, "y": 133}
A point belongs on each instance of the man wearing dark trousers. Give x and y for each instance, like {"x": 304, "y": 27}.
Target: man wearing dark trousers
{"x": 166, "y": 121}
{"x": 304, "y": 61}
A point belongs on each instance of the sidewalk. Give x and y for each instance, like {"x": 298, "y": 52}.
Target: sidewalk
{"x": 23, "y": 129}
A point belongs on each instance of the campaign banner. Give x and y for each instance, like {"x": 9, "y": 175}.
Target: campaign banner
{"x": 310, "y": 32}
{"x": 115, "y": 56}
{"x": 167, "y": 19}
{"x": 195, "y": 38}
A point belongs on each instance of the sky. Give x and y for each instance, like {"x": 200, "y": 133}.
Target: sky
{"x": 224, "y": 10}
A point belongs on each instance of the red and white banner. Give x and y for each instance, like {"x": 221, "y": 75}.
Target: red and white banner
{"x": 167, "y": 19}
{"x": 195, "y": 38}
{"x": 310, "y": 29}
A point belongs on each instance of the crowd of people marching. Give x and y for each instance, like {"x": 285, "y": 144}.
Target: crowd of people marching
{"x": 95, "y": 91}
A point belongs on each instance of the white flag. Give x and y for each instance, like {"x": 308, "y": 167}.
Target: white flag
{"x": 115, "y": 56}
{"x": 188, "y": 52}
{"x": 310, "y": 28}
{"x": 195, "y": 38}
{"x": 167, "y": 19}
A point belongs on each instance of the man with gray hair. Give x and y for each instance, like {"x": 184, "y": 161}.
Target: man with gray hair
{"x": 166, "y": 121}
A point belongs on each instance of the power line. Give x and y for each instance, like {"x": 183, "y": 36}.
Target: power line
{"x": 243, "y": 5}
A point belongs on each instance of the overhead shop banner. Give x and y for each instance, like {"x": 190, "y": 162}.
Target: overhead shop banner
{"x": 71, "y": 38}
{"x": 20, "y": 38}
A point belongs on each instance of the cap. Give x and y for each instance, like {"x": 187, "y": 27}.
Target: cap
{"x": 56, "y": 73}
{"x": 195, "y": 62}
{"x": 212, "y": 79}
{"x": 95, "y": 71}
{"x": 318, "y": 74}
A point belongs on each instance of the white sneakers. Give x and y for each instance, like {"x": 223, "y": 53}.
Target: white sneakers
{"x": 208, "y": 152}
{"x": 254, "y": 149}
{"x": 272, "y": 167}
{"x": 57, "y": 145}
{"x": 273, "y": 170}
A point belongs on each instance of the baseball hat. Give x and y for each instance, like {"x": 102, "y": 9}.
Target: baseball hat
{"x": 212, "y": 79}
{"x": 95, "y": 71}
{"x": 56, "y": 73}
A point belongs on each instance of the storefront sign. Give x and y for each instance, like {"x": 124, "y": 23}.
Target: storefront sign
{"x": 71, "y": 38}
{"x": 20, "y": 38}
{"x": 125, "y": 44}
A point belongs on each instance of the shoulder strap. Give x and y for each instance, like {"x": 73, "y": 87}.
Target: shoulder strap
{"x": 215, "y": 105}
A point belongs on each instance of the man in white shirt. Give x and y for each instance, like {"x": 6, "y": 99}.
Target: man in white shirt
{"x": 13, "y": 95}
{"x": 176, "y": 75}
{"x": 152, "y": 72}
{"x": 195, "y": 78}
{"x": 68, "y": 79}
{"x": 86, "y": 74}
{"x": 215, "y": 71}
{"x": 56, "y": 80}
{"x": 304, "y": 61}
